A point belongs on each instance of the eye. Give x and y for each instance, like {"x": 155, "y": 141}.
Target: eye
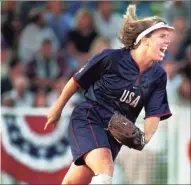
{"x": 162, "y": 36}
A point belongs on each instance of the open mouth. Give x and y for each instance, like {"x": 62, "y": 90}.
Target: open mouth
{"x": 162, "y": 50}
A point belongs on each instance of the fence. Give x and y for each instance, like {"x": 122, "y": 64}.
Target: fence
{"x": 32, "y": 155}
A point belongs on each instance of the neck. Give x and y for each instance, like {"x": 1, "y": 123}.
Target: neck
{"x": 141, "y": 58}
{"x": 85, "y": 31}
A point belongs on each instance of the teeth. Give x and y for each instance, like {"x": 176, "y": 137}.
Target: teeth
{"x": 162, "y": 54}
{"x": 164, "y": 48}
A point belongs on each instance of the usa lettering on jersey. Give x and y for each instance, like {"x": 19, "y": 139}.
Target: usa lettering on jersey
{"x": 130, "y": 98}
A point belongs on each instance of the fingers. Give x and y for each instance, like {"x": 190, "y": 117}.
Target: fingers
{"x": 47, "y": 123}
{"x": 50, "y": 121}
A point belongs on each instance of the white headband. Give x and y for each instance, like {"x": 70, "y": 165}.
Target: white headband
{"x": 150, "y": 29}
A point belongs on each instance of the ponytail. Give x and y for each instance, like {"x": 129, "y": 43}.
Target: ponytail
{"x": 133, "y": 26}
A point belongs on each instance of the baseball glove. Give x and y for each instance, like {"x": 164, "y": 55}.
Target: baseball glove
{"x": 125, "y": 132}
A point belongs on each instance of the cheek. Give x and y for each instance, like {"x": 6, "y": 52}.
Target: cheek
{"x": 158, "y": 45}
{"x": 153, "y": 48}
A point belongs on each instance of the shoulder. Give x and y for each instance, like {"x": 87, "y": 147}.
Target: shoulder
{"x": 30, "y": 28}
{"x": 159, "y": 71}
{"x": 106, "y": 56}
{"x": 110, "y": 54}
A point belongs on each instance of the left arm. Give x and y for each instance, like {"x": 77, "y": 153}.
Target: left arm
{"x": 156, "y": 108}
{"x": 150, "y": 127}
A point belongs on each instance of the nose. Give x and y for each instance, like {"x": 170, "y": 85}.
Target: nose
{"x": 167, "y": 41}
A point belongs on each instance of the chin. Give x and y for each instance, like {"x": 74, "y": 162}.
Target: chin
{"x": 159, "y": 58}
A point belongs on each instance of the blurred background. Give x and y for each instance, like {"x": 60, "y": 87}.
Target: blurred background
{"x": 43, "y": 43}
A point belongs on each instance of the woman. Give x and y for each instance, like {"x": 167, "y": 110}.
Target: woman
{"x": 123, "y": 80}
{"x": 81, "y": 37}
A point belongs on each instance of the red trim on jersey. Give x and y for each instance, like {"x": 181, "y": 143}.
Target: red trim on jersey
{"x": 93, "y": 133}
{"x": 76, "y": 81}
{"x": 75, "y": 138}
{"x": 159, "y": 115}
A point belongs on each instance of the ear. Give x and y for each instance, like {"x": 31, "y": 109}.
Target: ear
{"x": 145, "y": 41}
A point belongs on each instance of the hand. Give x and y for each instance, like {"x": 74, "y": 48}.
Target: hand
{"x": 52, "y": 117}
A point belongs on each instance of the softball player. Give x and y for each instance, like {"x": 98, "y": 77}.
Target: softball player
{"x": 123, "y": 80}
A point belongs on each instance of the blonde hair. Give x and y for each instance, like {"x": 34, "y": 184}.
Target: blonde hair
{"x": 81, "y": 12}
{"x": 133, "y": 26}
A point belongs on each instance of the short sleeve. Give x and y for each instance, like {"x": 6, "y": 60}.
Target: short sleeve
{"x": 93, "y": 70}
{"x": 157, "y": 104}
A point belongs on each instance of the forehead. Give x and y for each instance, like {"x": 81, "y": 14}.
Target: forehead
{"x": 162, "y": 31}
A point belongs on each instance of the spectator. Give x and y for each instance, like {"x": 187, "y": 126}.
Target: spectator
{"x": 7, "y": 102}
{"x": 5, "y": 57}
{"x": 20, "y": 94}
{"x": 10, "y": 25}
{"x": 173, "y": 47}
{"x": 16, "y": 68}
{"x": 33, "y": 35}
{"x": 177, "y": 66}
{"x": 55, "y": 93}
{"x": 82, "y": 36}
{"x": 179, "y": 80}
{"x": 98, "y": 45}
{"x": 177, "y": 13}
{"x": 7, "y": 7}
{"x": 26, "y": 7}
{"x": 44, "y": 67}
{"x": 185, "y": 87}
{"x": 180, "y": 54}
{"x": 61, "y": 22}
{"x": 108, "y": 24}
{"x": 40, "y": 99}
{"x": 174, "y": 9}
{"x": 171, "y": 62}
{"x": 74, "y": 6}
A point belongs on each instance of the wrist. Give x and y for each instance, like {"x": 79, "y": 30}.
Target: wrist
{"x": 59, "y": 105}
{"x": 147, "y": 138}
{"x": 58, "y": 108}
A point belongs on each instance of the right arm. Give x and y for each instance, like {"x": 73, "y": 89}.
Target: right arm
{"x": 86, "y": 76}
{"x": 54, "y": 114}
{"x": 70, "y": 88}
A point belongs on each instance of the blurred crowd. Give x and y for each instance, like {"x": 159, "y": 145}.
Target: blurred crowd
{"x": 43, "y": 43}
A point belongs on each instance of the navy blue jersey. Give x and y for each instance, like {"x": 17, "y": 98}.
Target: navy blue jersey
{"x": 113, "y": 80}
